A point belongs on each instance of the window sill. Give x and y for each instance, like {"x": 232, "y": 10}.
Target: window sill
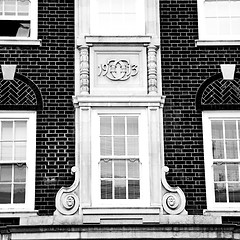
{"x": 217, "y": 43}
{"x": 221, "y": 212}
{"x": 20, "y": 42}
{"x": 116, "y": 39}
{"x": 17, "y": 213}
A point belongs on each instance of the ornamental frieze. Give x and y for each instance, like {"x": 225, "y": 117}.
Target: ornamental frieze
{"x": 118, "y": 70}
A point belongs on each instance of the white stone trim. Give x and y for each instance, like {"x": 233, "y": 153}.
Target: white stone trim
{"x": 20, "y": 42}
{"x": 217, "y": 43}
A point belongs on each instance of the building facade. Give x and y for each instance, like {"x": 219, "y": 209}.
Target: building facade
{"x": 119, "y": 119}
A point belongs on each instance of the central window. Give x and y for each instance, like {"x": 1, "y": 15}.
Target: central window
{"x": 121, "y": 17}
{"x": 119, "y": 156}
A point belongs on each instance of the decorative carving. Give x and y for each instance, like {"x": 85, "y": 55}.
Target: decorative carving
{"x": 174, "y": 200}
{"x": 118, "y": 70}
{"x": 152, "y": 69}
{"x": 67, "y": 201}
{"x": 84, "y": 70}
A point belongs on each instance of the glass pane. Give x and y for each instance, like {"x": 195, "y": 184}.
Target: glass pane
{"x": 10, "y": 7}
{"x": 105, "y": 146}
{"x": 220, "y": 192}
{"x": 233, "y": 172}
{"x": 218, "y": 149}
{"x": 133, "y": 189}
{"x": 235, "y": 6}
{"x": 225, "y": 25}
{"x": 119, "y": 125}
{"x": 234, "y": 192}
{"x": 120, "y": 169}
{"x": 106, "y": 189}
{"x": 20, "y": 173}
{"x": 133, "y": 169}
{"x": 117, "y": 6}
{"x": 231, "y": 149}
{"x": 19, "y": 193}
{"x": 1, "y": 7}
{"x": 219, "y": 172}
{"x": 132, "y": 146}
{"x": 235, "y": 25}
{"x": 5, "y": 193}
{"x": 217, "y": 130}
{"x": 132, "y": 125}
{"x": 230, "y": 129}
{"x": 20, "y": 151}
{"x": 130, "y": 6}
{"x": 21, "y": 130}
{"x": 210, "y": 9}
{"x": 119, "y": 146}
{"x": 104, "y": 5}
{"x": 106, "y": 169}
{"x": 212, "y": 26}
{"x": 105, "y": 125}
{"x": 120, "y": 189}
{"x": 7, "y": 131}
{"x": 7, "y": 151}
{"x": 223, "y": 8}
{"x": 6, "y": 173}
{"x": 23, "y": 7}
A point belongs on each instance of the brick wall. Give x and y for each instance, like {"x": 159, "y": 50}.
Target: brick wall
{"x": 51, "y": 68}
{"x": 184, "y": 68}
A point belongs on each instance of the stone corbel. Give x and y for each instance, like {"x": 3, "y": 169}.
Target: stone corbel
{"x": 173, "y": 198}
{"x": 84, "y": 69}
{"x": 67, "y": 200}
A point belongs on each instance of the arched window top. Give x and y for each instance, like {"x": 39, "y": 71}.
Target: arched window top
{"x": 19, "y": 94}
{"x": 217, "y": 93}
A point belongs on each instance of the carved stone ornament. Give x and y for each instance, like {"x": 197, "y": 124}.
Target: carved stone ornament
{"x": 173, "y": 199}
{"x": 118, "y": 70}
{"x": 67, "y": 201}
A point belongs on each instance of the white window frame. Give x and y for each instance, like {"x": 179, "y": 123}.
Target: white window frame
{"x": 207, "y": 116}
{"x": 202, "y": 27}
{"x": 95, "y": 29}
{"x": 143, "y": 158}
{"x": 30, "y": 117}
{"x": 33, "y": 18}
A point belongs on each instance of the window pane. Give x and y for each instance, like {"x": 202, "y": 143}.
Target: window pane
{"x": 106, "y": 189}
{"x": 235, "y": 25}
{"x": 21, "y": 130}
{"x": 5, "y": 193}
{"x": 132, "y": 125}
{"x": 133, "y": 189}
{"x": 7, "y": 151}
{"x": 23, "y": 7}
{"x": 234, "y": 192}
{"x": 231, "y": 150}
{"x": 120, "y": 169}
{"x": 10, "y": 7}
{"x": 133, "y": 169}
{"x": 20, "y": 151}
{"x": 7, "y": 131}
{"x": 129, "y": 6}
{"x": 217, "y": 130}
{"x": 20, "y": 173}
{"x": 119, "y": 125}
{"x": 230, "y": 129}
{"x": 1, "y": 7}
{"x": 218, "y": 149}
{"x": 220, "y": 192}
{"x": 119, "y": 146}
{"x": 19, "y": 193}
{"x": 120, "y": 189}
{"x": 117, "y": 6}
{"x": 225, "y": 25}
{"x": 132, "y": 146}
{"x": 106, "y": 169}
{"x": 6, "y": 173}
{"x": 105, "y": 146}
{"x": 235, "y": 6}
{"x": 219, "y": 172}
{"x": 105, "y": 125}
{"x": 232, "y": 172}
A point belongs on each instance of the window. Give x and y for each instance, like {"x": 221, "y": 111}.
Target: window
{"x": 122, "y": 17}
{"x": 17, "y": 159}
{"x": 219, "y": 19}
{"x": 18, "y": 19}
{"x": 222, "y": 158}
{"x": 119, "y": 158}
